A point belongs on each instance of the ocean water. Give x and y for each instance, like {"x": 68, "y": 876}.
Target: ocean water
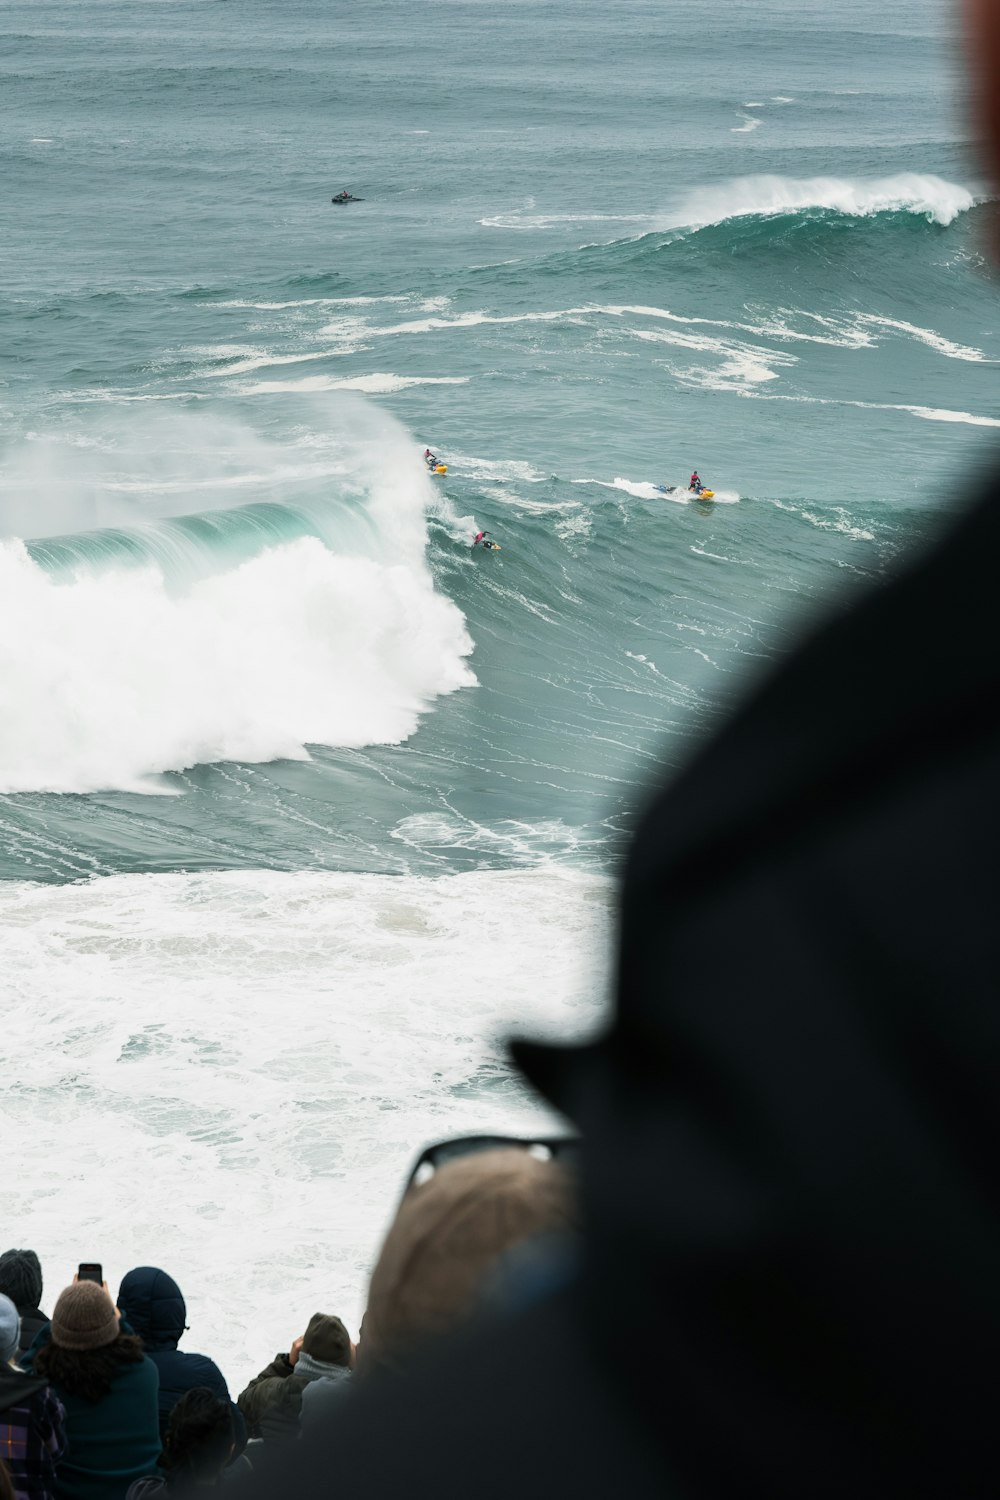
{"x": 304, "y": 804}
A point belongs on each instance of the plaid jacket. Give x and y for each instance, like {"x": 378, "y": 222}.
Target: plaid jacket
{"x": 32, "y": 1441}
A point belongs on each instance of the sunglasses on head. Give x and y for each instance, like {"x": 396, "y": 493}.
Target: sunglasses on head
{"x": 564, "y": 1148}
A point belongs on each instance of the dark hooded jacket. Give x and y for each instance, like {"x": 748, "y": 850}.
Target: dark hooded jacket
{"x": 152, "y": 1303}
{"x": 791, "y": 1218}
{"x": 21, "y": 1281}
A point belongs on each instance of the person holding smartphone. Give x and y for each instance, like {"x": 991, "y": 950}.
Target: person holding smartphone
{"x": 108, "y": 1388}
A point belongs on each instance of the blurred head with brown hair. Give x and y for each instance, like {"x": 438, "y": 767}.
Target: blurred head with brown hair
{"x": 982, "y": 35}
{"x": 450, "y": 1236}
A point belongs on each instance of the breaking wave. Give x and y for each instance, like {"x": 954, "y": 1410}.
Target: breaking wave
{"x": 244, "y": 633}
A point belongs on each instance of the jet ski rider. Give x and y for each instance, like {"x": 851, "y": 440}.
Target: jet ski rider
{"x": 696, "y": 483}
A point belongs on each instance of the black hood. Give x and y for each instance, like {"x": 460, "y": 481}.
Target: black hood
{"x": 16, "y": 1386}
{"x": 21, "y": 1278}
{"x": 152, "y": 1302}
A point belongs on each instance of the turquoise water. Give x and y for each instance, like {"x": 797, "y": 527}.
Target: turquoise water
{"x": 559, "y": 248}
{"x": 303, "y": 803}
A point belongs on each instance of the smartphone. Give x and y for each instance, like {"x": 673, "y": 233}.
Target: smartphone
{"x": 90, "y": 1270}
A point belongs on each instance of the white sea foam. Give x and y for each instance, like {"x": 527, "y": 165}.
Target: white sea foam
{"x": 926, "y": 336}
{"x": 838, "y": 521}
{"x": 741, "y": 364}
{"x": 254, "y": 1132}
{"x": 499, "y": 469}
{"x": 644, "y": 490}
{"x": 190, "y": 487}
{"x": 750, "y": 122}
{"x": 568, "y": 527}
{"x": 372, "y": 385}
{"x": 911, "y": 192}
{"x": 926, "y": 413}
{"x": 944, "y": 414}
{"x": 517, "y": 220}
{"x": 840, "y": 335}
{"x": 475, "y": 320}
{"x": 243, "y": 361}
{"x": 142, "y": 462}
{"x": 245, "y": 302}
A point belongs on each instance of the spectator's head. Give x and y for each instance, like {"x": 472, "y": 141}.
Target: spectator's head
{"x": 448, "y": 1239}
{"x": 10, "y": 1330}
{"x": 84, "y": 1318}
{"x": 327, "y": 1340}
{"x": 983, "y": 32}
{"x": 87, "y": 1345}
{"x": 152, "y": 1304}
{"x": 21, "y": 1278}
{"x": 199, "y": 1440}
{"x": 982, "y": 25}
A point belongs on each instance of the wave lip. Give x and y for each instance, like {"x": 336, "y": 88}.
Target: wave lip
{"x": 936, "y": 199}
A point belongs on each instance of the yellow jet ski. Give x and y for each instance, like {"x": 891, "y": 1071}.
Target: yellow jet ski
{"x": 677, "y": 489}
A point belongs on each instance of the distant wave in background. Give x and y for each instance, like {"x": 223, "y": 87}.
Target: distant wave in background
{"x": 767, "y": 196}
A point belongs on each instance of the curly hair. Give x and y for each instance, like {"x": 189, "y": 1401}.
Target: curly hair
{"x": 199, "y": 1438}
{"x": 87, "y": 1372}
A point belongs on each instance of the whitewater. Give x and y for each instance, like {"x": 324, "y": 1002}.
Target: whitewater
{"x": 305, "y": 804}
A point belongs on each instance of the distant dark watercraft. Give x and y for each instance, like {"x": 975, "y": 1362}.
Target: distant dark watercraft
{"x": 345, "y": 198}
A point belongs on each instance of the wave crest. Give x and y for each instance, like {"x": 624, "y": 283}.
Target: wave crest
{"x": 928, "y": 196}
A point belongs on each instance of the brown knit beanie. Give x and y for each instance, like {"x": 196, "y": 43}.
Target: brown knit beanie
{"x": 84, "y": 1317}
{"x": 327, "y": 1339}
{"x": 447, "y": 1238}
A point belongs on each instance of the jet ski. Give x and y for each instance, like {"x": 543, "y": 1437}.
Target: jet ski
{"x": 345, "y": 198}
{"x": 438, "y": 468}
{"x": 683, "y": 489}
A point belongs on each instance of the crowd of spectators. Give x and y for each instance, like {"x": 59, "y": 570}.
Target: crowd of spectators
{"x": 98, "y": 1402}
